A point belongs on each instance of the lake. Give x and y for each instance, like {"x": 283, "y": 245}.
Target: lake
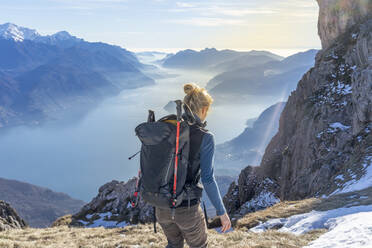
{"x": 77, "y": 157}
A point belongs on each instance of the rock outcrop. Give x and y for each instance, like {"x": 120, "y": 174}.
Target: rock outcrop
{"x": 9, "y": 218}
{"x": 112, "y": 207}
{"x": 324, "y": 140}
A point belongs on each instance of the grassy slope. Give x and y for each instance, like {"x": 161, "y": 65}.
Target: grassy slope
{"x": 143, "y": 236}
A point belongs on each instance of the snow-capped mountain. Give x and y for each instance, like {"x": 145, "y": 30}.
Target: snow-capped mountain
{"x": 17, "y": 33}
{"x": 62, "y": 38}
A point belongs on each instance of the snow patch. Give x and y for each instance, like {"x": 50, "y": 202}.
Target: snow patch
{"x": 340, "y": 177}
{"x": 348, "y": 227}
{"x": 103, "y": 221}
{"x": 364, "y": 182}
{"x": 263, "y": 200}
{"x": 334, "y": 127}
{"x": 17, "y": 33}
{"x": 354, "y": 230}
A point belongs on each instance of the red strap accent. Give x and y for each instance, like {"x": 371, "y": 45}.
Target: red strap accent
{"x": 135, "y": 194}
{"x": 137, "y": 181}
{"x": 176, "y": 161}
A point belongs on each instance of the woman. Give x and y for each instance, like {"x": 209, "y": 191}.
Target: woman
{"x": 189, "y": 222}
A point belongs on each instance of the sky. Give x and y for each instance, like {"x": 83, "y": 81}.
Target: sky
{"x": 168, "y": 25}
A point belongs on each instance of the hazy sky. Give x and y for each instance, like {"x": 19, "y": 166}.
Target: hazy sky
{"x": 167, "y": 24}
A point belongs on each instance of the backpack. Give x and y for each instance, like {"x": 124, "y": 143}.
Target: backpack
{"x": 164, "y": 158}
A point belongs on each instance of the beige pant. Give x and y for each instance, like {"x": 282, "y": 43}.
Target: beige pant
{"x": 188, "y": 224}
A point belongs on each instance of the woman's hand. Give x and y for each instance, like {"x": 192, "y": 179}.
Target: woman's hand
{"x": 225, "y": 221}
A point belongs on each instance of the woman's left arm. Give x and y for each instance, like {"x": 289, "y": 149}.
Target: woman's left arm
{"x": 207, "y": 173}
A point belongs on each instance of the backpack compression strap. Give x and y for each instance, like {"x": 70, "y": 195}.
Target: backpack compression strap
{"x": 179, "y": 113}
{"x": 134, "y": 202}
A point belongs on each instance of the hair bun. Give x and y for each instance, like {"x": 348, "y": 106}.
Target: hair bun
{"x": 189, "y": 88}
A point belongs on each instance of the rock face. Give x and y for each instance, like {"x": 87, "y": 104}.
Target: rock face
{"x": 336, "y": 16}
{"x": 39, "y": 206}
{"x": 112, "y": 207}
{"x": 324, "y": 140}
{"x": 9, "y": 218}
{"x": 252, "y": 192}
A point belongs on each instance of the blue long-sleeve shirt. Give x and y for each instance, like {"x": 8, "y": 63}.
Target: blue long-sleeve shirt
{"x": 207, "y": 175}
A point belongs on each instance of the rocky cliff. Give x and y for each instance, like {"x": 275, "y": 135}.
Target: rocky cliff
{"x": 112, "y": 207}
{"x": 9, "y": 218}
{"x": 337, "y": 16}
{"x": 324, "y": 142}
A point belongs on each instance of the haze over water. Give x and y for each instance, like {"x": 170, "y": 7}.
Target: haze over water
{"x": 77, "y": 157}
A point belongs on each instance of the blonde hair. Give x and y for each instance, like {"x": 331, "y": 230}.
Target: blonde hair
{"x": 196, "y": 97}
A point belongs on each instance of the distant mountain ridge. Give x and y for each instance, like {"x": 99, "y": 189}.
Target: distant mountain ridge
{"x": 270, "y": 78}
{"x": 213, "y": 59}
{"x": 38, "y": 206}
{"x": 42, "y": 76}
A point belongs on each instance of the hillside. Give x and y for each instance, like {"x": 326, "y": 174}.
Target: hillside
{"x": 248, "y": 231}
{"x": 247, "y": 148}
{"x": 38, "y": 206}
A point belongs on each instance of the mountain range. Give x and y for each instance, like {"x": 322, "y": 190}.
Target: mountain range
{"x": 216, "y": 60}
{"x": 42, "y": 76}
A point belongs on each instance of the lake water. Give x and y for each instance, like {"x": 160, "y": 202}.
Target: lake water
{"x": 78, "y": 157}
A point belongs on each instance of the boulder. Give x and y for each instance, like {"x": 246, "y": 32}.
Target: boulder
{"x": 9, "y": 218}
{"x": 112, "y": 207}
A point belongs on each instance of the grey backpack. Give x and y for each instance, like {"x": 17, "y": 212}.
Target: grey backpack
{"x": 164, "y": 157}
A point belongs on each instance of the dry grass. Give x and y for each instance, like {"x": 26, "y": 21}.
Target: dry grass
{"x": 62, "y": 236}
{"x": 62, "y": 221}
{"x": 141, "y": 236}
{"x": 357, "y": 198}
